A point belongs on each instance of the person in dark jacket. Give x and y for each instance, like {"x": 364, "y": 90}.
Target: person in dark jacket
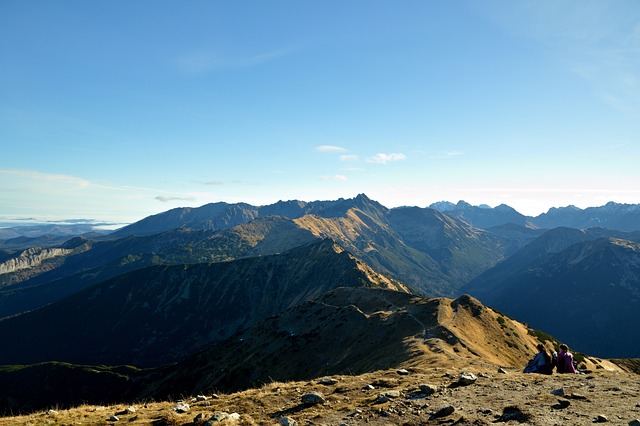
{"x": 565, "y": 360}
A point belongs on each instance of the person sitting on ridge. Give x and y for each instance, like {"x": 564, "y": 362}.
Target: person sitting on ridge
{"x": 540, "y": 362}
{"x": 565, "y": 360}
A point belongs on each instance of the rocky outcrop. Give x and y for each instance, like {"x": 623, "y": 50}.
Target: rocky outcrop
{"x": 31, "y": 258}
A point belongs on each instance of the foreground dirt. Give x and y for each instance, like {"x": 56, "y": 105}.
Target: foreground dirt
{"x": 507, "y": 396}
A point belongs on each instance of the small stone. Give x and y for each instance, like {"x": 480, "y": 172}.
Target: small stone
{"x": 114, "y": 418}
{"x": 356, "y": 413}
{"x": 130, "y": 410}
{"x": 385, "y": 383}
{"x": 182, "y": 407}
{"x": 558, "y": 392}
{"x": 382, "y": 399}
{"x": 466, "y": 379}
{"x": 391, "y": 394}
{"x": 368, "y": 388}
{"x": 312, "y": 398}
{"x": 562, "y": 404}
{"x": 217, "y": 418}
{"x": 201, "y": 398}
{"x": 444, "y": 411}
{"x": 327, "y": 381}
{"x": 52, "y": 412}
{"x": 403, "y": 372}
{"x": 577, "y": 396}
{"x": 513, "y": 413}
{"x": 502, "y": 371}
{"x": 214, "y": 396}
{"x": 635, "y": 422}
{"x": 198, "y": 418}
{"x": 288, "y": 421}
{"x": 428, "y": 389}
{"x": 601, "y": 419}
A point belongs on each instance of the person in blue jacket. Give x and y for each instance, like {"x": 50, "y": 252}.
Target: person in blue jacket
{"x": 540, "y": 362}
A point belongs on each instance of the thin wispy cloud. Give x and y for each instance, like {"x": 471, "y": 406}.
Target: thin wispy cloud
{"x": 330, "y": 148}
{"x": 386, "y": 158}
{"x": 214, "y": 182}
{"x": 349, "y": 157}
{"x": 49, "y": 178}
{"x": 167, "y": 198}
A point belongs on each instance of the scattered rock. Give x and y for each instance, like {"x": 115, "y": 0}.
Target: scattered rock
{"x": 502, "y": 371}
{"x": 201, "y": 398}
{"x": 214, "y": 396}
{"x": 403, "y": 372}
{"x": 388, "y": 395}
{"x": 313, "y": 398}
{"x": 558, "y": 392}
{"x": 114, "y": 418}
{"x": 198, "y": 418}
{"x": 444, "y": 412}
{"x": 356, "y": 413}
{"x": 288, "y": 421}
{"x": 562, "y": 404}
{"x": 52, "y": 412}
{"x": 601, "y": 419}
{"x": 130, "y": 410}
{"x": 635, "y": 422}
{"x": 182, "y": 407}
{"x": 428, "y": 389}
{"x": 466, "y": 379}
{"x": 513, "y": 413}
{"x": 222, "y": 416}
{"x": 382, "y": 383}
{"x": 391, "y": 394}
{"x": 327, "y": 381}
{"x": 577, "y": 396}
{"x": 368, "y": 388}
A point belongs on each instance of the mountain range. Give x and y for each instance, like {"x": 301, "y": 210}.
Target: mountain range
{"x": 228, "y": 295}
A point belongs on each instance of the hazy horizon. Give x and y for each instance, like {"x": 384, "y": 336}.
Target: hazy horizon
{"x": 114, "y": 111}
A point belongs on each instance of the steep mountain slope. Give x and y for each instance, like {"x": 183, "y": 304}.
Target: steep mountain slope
{"x": 461, "y": 251}
{"x": 352, "y": 331}
{"x": 160, "y": 314}
{"x": 587, "y": 294}
{"x": 430, "y": 252}
{"x": 347, "y": 331}
{"x": 67, "y": 274}
{"x": 542, "y": 248}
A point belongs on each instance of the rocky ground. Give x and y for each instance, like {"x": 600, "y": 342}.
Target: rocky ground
{"x": 416, "y": 396}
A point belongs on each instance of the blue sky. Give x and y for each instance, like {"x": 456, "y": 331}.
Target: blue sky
{"x": 116, "y": 110}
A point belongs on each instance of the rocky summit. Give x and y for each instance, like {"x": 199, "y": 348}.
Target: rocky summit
{"x": 421, "y": 395}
